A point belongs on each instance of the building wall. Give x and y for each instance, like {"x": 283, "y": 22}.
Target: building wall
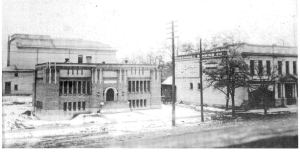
{"x": 24, "y": 81}
{"x": 26, "y": 58}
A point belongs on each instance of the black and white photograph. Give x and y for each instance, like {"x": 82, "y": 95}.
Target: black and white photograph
{"x": 144, "y": 74}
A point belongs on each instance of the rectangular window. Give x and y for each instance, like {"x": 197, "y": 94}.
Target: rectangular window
{"x": 60, "y": 87}
{"x": 279, "y": 90}
{"x": 83, "y": 105}
{"x": 129, "y": 103}
{"x": 137, "y": 103}
{"x": 74, "y": 87}
{"x": 129, "y": 86}
{"x": 70, "y": 106}
{"x": 137, "y": 86}
{"x": 141, "y": 86}
{"x": 88, "y": 59}
{"x": 79, "y": 105}
{"x": 145, "y": 85}
{"x": 252, "y": 67}
{"x": 294, "y": 67}
{"x": 145, "y": 103}
{"x": 148, "y": 86}
{"x": 268, "y": 67}
{"x": 74, "y": 106}
{"x": 79, "y": 87}
{"x": 70, "y": 87}
{"x": 88, "y": 87}
{"x": 16, "y": 74}
{"x": 141, "y": 102}
{"x": 47, "y": 75}
{"x": 79, "y": 59}
{"x": 199, "y": 86}
{"x": 133, "y": 103}
{"x": 52, "y": 75}
{"x": 287, "y": 67}
{"x": 16, "y": 87}
{"x": 65, "y": 106}
{"x": 260, "y": 67}
{"x": 83, "y": 87}
{"x": 279, "y": 67}
{"x": 133, "y": 86}
{"x": 65, "y": 87}
{"x": 191, "y": 85}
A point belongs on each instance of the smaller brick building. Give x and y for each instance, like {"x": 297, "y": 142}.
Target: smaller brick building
{"x": 63, "y": 90}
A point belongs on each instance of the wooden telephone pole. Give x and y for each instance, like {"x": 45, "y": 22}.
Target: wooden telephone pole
{"x": 201, "y": 84}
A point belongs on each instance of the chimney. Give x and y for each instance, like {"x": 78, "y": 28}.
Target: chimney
{"x": 66, "y": 60}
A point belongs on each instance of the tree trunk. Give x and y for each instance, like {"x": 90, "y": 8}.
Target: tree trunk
{"x": 232, "y": 105}
{"x": 265, "y": 107}
{"x": 227, "y": 99}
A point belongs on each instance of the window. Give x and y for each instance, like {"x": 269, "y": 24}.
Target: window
{"x": 294, "y": 67}
{"x": 145, "y": 102}
{"x": 52, "y": 75}
{"x": 16, "y": 87}
{"x": 141, "y": 86}
{"x": 65, "y": 87}
{"x": 79, "y": 105}
{"x": 129, "y": 86}
{"x": 260, "y": 67}
{"x": 61, "y": 87}
{"x": 133, "y": 103}
{"x": 287, "y": 67}
{"x": 70, "y": 106}
{"x": 252, "y": 67}
{"x": 70, "y": 87}
{"x": 268, "y": 67}
{"x": 74, "y": 106}
{"x": 137, "y": 103}
{"x": 79, "y": 58}
{"x": 16, "y": 74}
{"x": 83, "y": 105}
{"x": 39, "y": 104}
{"x": 98, "y": 75}
{"x": 137, "y": 86}
{"x": 141, "y": 102}
{"x": 191, "y": 85}
{"x": 148, "y": 86}
{"x": 79, "y": 87}
{"x": 279, "y": 90}
{"x": 83, "y": 87}
{"x": 133, "y": 86}
{"x": 199, "y": 87}
{"x": 74, "y": 87}
{"x": 88, "y": 59}
{"x": 88, "y": 87}
{"x": 145, "y": 89}
{"x": 279, "y": 67}
{"x": 65, "y": 106}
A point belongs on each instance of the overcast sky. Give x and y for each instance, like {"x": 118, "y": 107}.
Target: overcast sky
{"x": 140, "y": 26}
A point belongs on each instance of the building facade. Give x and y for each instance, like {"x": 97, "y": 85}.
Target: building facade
{"x": 63, "y": 90}
{"x": 25, "y": 51}
{"x": 269, "y": 57}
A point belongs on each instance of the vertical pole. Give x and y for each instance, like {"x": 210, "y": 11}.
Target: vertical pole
{"x": 201, "y": 85}
{"x": 173, "y": 77}
{"x": 55, "y": 73}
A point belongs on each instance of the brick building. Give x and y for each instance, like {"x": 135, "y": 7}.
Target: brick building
{"x": 63, "y": 90}
{"x": 25, "y": 51}
{"x": 283, "y": 92}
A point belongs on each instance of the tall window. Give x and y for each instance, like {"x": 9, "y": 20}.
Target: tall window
{"x": 145, "y": 89}
{"x": 252, "y": 67}
{"x": 16, "y": 74}
{"x": 83, "y": 87}
{"x": 294, "y": 67}
{"x": 141, "y": 86}
{"x": 88, "y": 87}
{"x": 83, "y": 105}
{"x": 279, "y": 67}
{"x": 16, "y": 87}
{"x": 279, "y": 90}
{"x": 268, "y": 67}
{"x": 61, "y": 87}
{"x": 191, "y": 85}
{"x": 287, "y": 67}
{"x": 70, "y": 87}
{"x": 74, "y": 87}
{"x": 88, "y": 59}
{"x": 70, "y": 106}
{"x": 65, "y": 87}
{"x": 79, "y": 58}
{"x": 199, "y": 86}
{"x": 65, "y": 106}
{"x": 79, "y": 87}
{"x": 260, "y": 67}
{"x": 133, "y": 86}
{"x": 148, "y": 86}
{"x": 137, "y": 86}
{"x": 129, "y": 86}
{"x": 74, "y": 106}
{"x": 79, "y": 105}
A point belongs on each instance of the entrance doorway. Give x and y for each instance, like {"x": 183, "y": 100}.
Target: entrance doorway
{"x": 7, "y": 87}
{"x": 110, "y": 95}
{"x": 289, "y": 94}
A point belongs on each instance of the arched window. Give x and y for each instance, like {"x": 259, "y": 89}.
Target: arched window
{"x": 191, "y": 85}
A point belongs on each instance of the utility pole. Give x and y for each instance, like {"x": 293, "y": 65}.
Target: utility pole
{"x": 173, "y": 76}
{"x": 201, "y": 85}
